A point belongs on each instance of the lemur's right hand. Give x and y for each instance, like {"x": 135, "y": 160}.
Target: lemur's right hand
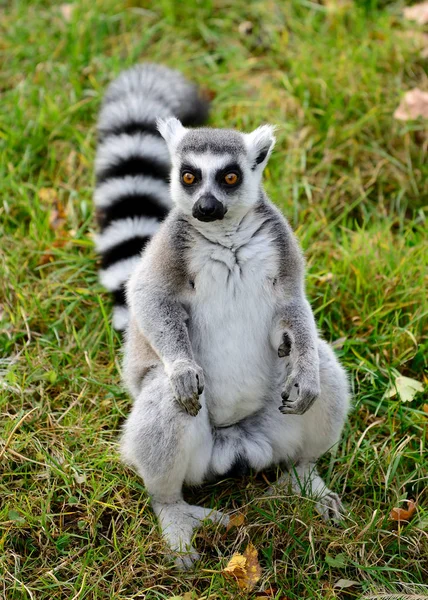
{"x": 187, "y": 382}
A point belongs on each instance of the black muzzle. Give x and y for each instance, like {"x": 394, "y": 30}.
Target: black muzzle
{"x": 208, "y": 208}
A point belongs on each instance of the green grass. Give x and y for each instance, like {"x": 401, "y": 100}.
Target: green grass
{"x": 75, "y": 523}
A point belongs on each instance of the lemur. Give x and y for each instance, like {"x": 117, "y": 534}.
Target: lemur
{"x": 222, "y": 356}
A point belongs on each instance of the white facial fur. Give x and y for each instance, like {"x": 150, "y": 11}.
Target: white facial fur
{"x": 250, "y": 152}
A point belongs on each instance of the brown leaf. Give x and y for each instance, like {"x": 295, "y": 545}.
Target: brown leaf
{"x": 417, "y": 12}
{"x": 47, "y": 255}
{"x": 413, "y": 105}
{"x": 425, "y": 408}
{"x": 244, "y": 568}
{"x": 207, "y": 94}
{"x": 235, "y": 521}
{"x": 401, "y": 514}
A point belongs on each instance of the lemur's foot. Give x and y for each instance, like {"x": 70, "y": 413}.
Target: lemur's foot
{"x": 187, "y": 381}
{"x": 330, "y": 507}
{"x": 178, "y": 520}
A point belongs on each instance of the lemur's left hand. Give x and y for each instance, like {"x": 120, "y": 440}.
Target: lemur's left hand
{"x": 302, "y": 387}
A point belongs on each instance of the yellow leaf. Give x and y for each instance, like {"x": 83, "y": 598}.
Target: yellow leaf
{"x": 235, "y": 521}
{"x": 48, "y": 195}
{"x": 406, "y": 387}
{"x": 244, "y": 568}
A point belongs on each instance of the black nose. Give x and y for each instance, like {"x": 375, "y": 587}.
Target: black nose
{"x": 208, "y": 208}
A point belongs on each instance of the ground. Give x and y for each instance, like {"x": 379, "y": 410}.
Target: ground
{"x": 77, "y": 524}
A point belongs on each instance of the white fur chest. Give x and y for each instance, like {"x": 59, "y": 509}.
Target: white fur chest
{"x": 231, "y": 315}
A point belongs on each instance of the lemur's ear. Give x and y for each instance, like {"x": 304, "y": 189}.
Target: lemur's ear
{"x": 260, "y": 143}
{"x": 171, "y": 130}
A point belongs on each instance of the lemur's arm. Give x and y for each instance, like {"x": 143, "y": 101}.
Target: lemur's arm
{"x": 299, "y": 340}
{"x": 295, "y": 333}
{"x": 153, "y": 296}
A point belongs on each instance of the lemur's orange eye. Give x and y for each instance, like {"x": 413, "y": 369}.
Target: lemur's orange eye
{"x": 188, "y": 178}
{"x": 231, "y": 178}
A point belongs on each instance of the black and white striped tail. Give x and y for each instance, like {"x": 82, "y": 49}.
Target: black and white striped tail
{"x": 132, "y": 167}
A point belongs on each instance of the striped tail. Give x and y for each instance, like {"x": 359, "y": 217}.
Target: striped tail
{"x": 132, "y": 167}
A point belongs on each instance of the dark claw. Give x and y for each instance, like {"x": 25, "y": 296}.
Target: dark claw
{"x": 285, "y": 347}
{"x": 284, "y": 409}
{"x": 200, "y": 387}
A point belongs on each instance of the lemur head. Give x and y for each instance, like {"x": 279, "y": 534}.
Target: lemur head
{"x": 216, "y": 172}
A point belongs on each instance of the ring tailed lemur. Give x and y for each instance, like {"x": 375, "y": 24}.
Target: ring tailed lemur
{"x": 220, "y": 330}
{"x": 132, "y": 167}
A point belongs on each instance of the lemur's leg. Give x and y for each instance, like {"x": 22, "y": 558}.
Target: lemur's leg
{"x": 269, "y": 437}
{"x": 166, "y": 446}
{"x": 304, "y": 480}
{"x": 319, "y": 429}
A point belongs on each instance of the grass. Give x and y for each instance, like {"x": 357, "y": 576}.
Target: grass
{"x": 75, "y": 523}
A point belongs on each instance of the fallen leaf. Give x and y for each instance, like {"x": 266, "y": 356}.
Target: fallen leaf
{"x": 57, "y": 214}
{"x": 327, "y": 278}
{"x": 425, "y": 408}
{"x": 406, "y": 387}
{"x": 244, "y": 568}
{"x": 48, "y": 195}
{"x": 413, "y": 105}
{"x": 339, "y": 343}
{"x": 401, "y": 514}
{"x": 67, "y": 11}
{"x": 246, "y": 28}
{"x": 235, "y": 521}
{"x": 417, "y": 12}
{"x": 15, "y": 516}
{"x": 342, "y": 584}
{"x": 207, "y": 94}
{"x": 57, "y": 217}
{"x": 340, "y": 560}
{"x": 47, "y": 255}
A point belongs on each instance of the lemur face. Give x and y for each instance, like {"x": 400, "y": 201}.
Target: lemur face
{"x": 216, "y": 173}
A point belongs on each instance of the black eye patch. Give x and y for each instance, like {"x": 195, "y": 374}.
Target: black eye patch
{"x": 197, "y": 173}
{"x": 221, "y": 174}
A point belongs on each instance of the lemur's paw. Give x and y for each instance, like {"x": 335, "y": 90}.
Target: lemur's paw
{"x": 330, "y": 507}
{"x": 185, "y": 561}
{"x": 301, "y": 390}
{"x": 187, "y": 381}
{"x": 285, "y": 346}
